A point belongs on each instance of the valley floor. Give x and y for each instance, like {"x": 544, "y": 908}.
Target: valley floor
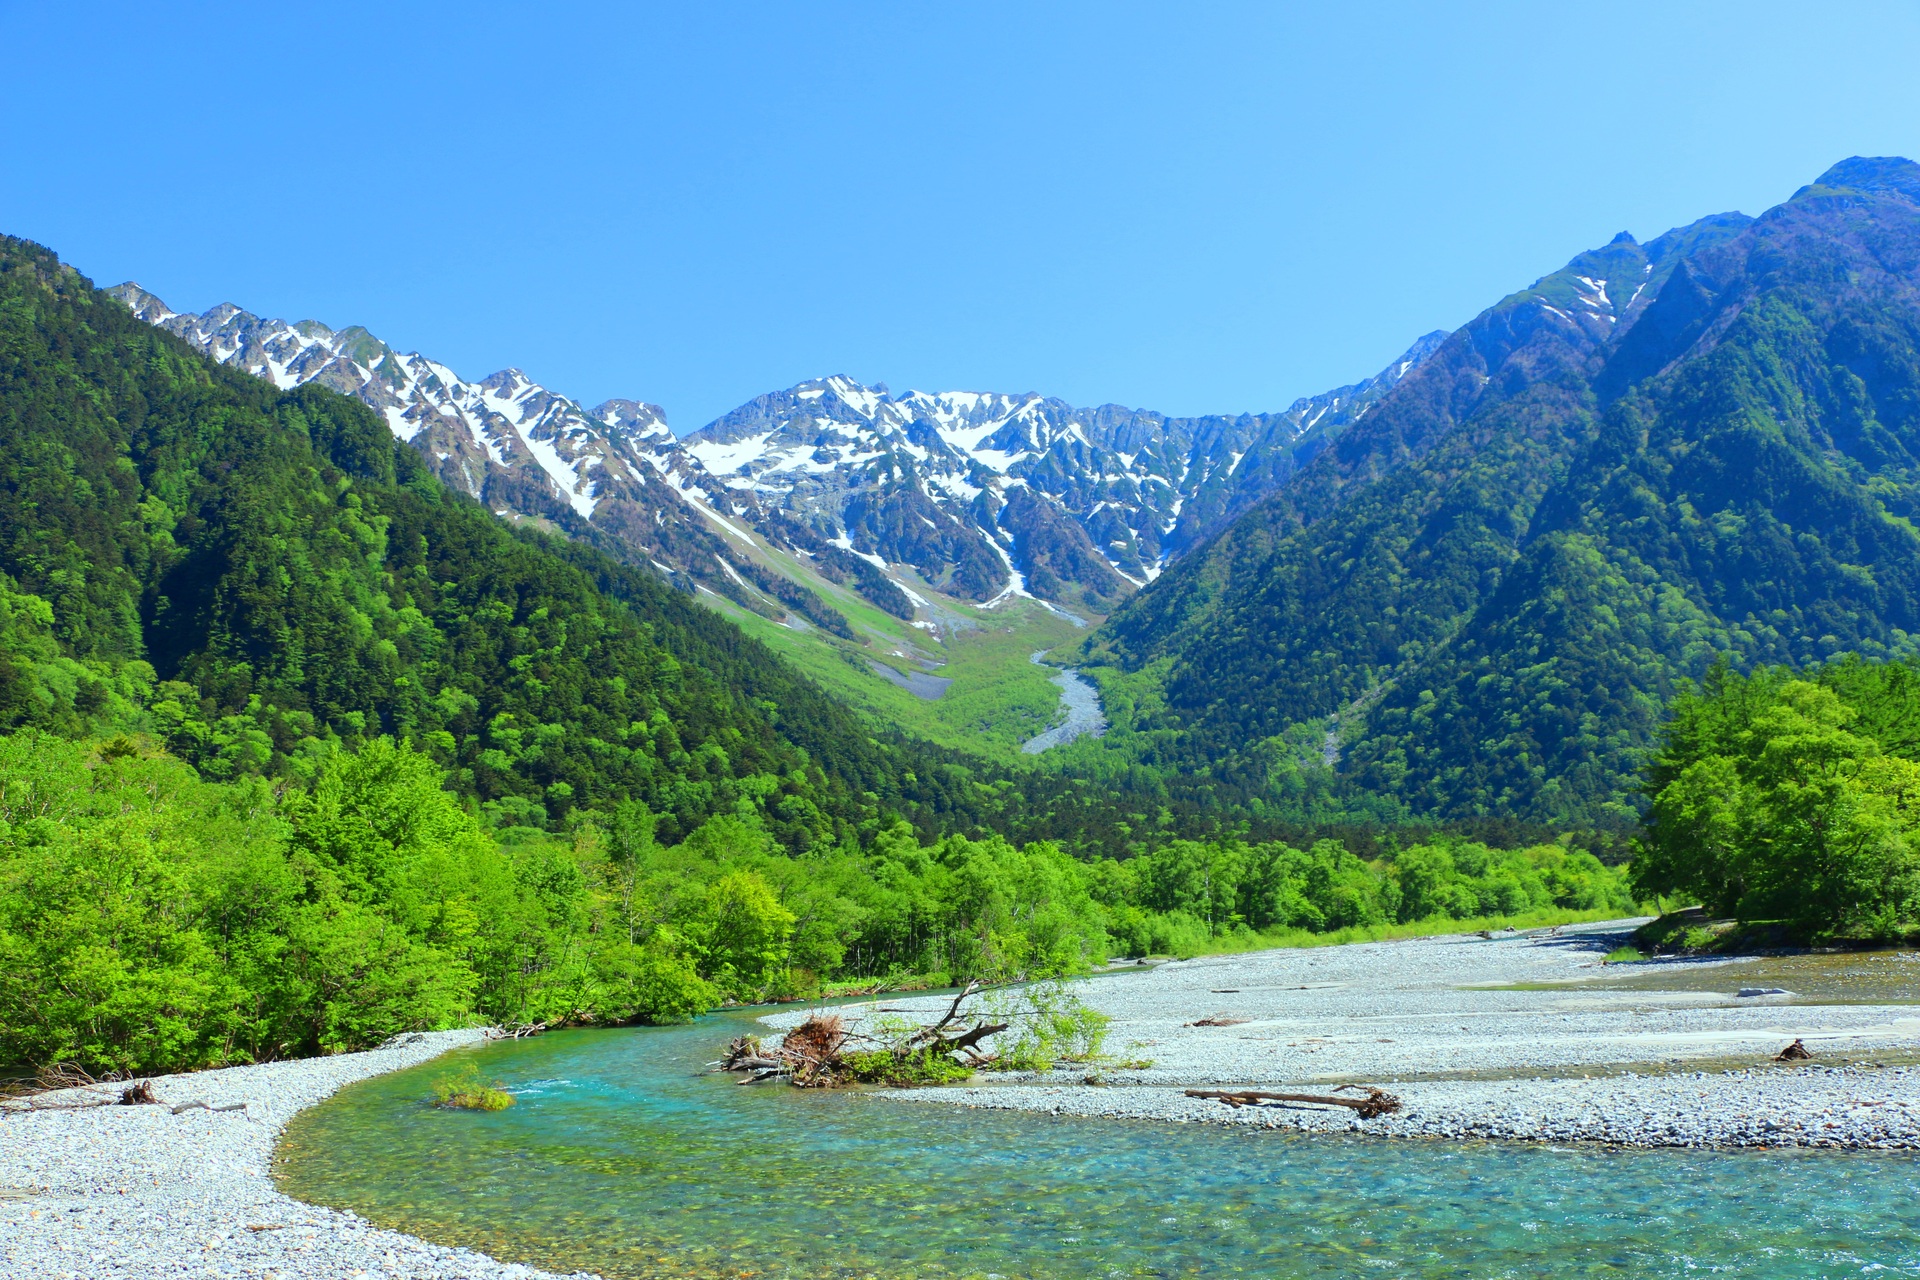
{"x": 1521, "y": 1036}
{"x": 139, "y": 1192}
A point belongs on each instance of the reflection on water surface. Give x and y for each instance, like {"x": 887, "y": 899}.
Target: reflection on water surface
{"x": 622, "y": 1158}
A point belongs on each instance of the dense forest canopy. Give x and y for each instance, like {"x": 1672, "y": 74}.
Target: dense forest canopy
{"x": 151, "y": 919}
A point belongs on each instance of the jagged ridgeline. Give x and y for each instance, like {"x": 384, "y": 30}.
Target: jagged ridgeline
{"x": 1480, "y": 596}
{"x": 257, "y": 576}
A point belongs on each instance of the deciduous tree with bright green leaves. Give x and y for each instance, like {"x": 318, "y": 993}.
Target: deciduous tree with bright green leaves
{"x": 1792, "y": 796}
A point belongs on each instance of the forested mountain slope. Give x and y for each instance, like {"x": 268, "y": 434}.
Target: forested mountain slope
{"x": 1478, "y": 598}
{"x": 259, "y": 576}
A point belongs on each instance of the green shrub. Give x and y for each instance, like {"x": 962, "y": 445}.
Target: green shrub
{"x": 1048, "y": 1024}
{"x": 464, "y": 1090}
{"x": 904, "y": 1068}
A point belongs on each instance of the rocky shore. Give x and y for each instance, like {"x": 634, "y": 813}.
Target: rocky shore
{"x": 1518, "y": 1036}
{"x": 140, "y": 1192}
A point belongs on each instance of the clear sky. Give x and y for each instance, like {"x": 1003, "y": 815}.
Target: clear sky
{"x": 1193, "y": 207}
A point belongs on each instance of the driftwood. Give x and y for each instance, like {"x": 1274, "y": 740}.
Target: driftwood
{"x": 142, "y": 1095}
{"x": 1218, "y": 1020}
{"x": 746, "y": 1053}
{"x": 935, "y": 1038}
{"x": 1795, "y": 1052}
{"x": 1377, "y": 1102}
{"x": 808, "y": 1056}
{"x": 517, "y": 1030}
{"x": 71, "y": 1075}
{"x": 189, "y": 1106}
{"x": 814, "y": 1054}
{"x": 139, "y": 1094}
{"x": 932, "y": 1033}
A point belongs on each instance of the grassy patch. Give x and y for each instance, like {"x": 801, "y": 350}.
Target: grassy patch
{"x": 1233, "y": 944}
{"x": 904, "y": 1068}
{"x": 998, "y": 699}
{"x": 1623, "y": 955}
{"x": 1685, "y": 932}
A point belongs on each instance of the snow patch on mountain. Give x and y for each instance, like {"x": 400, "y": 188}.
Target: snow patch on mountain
{"x": 921, "y": 479}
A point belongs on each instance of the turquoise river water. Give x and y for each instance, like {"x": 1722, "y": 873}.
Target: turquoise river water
{"x": 622, "y": 1157}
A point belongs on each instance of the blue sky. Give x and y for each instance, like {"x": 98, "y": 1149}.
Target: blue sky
{"x": 1188, "y": 207}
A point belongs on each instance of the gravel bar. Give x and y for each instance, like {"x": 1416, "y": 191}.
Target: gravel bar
{"x": 1426, "y": 1020}
{"x": 140, "y": 1192}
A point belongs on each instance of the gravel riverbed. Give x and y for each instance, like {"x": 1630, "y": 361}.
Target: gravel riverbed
{"x": 139, "y": 1192}
{"x": 1507, "y": 1037}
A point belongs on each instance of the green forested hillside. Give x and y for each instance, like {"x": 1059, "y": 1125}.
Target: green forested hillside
{"x": 258, "y": 578}
{"x": 1478, "y": 600}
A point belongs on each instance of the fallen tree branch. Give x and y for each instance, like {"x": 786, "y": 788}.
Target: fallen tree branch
{"x": 1378, "y": 1102}
{"x": 968, "y": 1039}
{"x": 953, "y": 1010}
{"x": 516, "y": 1030}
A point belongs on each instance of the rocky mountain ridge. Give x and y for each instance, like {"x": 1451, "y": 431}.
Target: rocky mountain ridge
{"x": 981, "y": 496}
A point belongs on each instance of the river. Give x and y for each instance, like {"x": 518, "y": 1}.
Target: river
{"x": 623, "y": 1157}
{"x": 1080, "y": 700}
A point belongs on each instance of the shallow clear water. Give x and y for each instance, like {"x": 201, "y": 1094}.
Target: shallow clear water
{"x": 1841, "y": 977}
{"x": 621, "y": 1157}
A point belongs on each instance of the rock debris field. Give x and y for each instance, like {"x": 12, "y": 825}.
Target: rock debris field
{"x": 138, "y": 1192}
{"x": 1424, "y": 1019}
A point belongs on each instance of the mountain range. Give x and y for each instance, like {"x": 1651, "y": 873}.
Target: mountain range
{"x": 1465, "y": 587}
{"x": 977, "y": 496}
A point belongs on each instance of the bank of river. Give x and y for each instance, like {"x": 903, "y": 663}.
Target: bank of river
{"x": 1513, "y": 1036}
{"x": 625, "y": 1157}
{"x": 622, "y": 1156}
{"x": 132, "y": 1193}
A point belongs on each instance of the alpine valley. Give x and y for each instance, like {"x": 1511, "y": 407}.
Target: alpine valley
{"x": 1463, "y": 587}
{"x": 874, "y": 538}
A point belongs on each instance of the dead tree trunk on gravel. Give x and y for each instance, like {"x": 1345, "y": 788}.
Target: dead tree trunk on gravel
{"x": 1377, "y": 1102}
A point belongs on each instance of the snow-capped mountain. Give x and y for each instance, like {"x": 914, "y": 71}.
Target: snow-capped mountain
{"x": 977, "y": 490}
{"x": 501, "y": 429}
{"x": 616, "y": 471}
{"x": 983, "y": 496}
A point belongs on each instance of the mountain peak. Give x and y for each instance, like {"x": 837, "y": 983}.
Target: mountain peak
{"x": 1896, "y": 174}
{"x": 140, "y": 302}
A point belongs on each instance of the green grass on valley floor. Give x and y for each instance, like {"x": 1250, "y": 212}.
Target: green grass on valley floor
{"x": 998, "y": 699}
{"x": 1624, "y": 955}
{"x": 1234, "y": 944}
